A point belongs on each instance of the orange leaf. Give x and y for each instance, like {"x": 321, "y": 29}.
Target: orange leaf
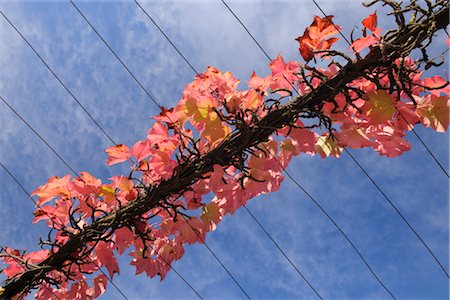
{"x": 314, "y": 37}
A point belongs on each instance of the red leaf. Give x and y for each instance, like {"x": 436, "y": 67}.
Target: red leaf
{"x": 314, "y": 37}
{"x": 370, "y": 22}
{"x": 106, "y": 258}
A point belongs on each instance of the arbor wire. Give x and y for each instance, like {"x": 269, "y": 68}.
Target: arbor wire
{"x": 296, "y": 182}
{"x": 159, "y": 106}
{"x": 68, "y": 166}
{"x": 309, "y": 195}
{"x": 379, "y": 188}
{"x": 358, "y": 164}
{"x": 91, "y": 117}
{"x": 22, "y": 187}
{"x": 411, "y": 126}
{"x": 246, "y": 208}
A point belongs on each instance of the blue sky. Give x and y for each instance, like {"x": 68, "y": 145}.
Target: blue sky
{"x": 209, "y": 35}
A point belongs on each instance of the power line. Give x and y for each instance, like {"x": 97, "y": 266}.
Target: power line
{"x": 411, "y": 126}
{"x": 360, "y": 166}
{"x": 70, "y": 168}
{"x": 220, "y": 262}
{"x": 334, "y": 25}
{"x": 35, "y": 203}
{"x": 301, "y": 187}
{"x": 58, "y": 79}
{"x": 67, "y": 165}
{"x": 147, "y": 92}
{"x": 157, "y": 104}
{"x": 39, "y": 136}
{"x": 264, "y": 230}
{"x": 167, "y": 38}
{"x": 383, "y": 193}
{"x": 282, "y": 252}
{"x": 248, "y": 31}
{"x": 338, "y": 227}
{"x": 397, "y": 211}
{"x": 118, "y": 58}
{"x": 423, "y": 143}
{"x": 179, "y": 275}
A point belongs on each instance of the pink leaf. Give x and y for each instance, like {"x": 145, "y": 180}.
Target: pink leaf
{"x": 117, "y": 154}
{"x": 142, "y": 149}
{"x": 364, "y": 42}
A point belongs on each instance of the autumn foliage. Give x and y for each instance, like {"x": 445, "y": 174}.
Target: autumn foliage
{"x": 369, "y": 114}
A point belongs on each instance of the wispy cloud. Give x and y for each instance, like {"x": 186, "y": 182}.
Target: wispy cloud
{"x": 209, "y": 35}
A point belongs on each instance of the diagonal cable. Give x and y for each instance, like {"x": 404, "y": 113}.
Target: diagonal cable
{"x": 57, "y": 78}
{"x": 191, "y": 66}
{"x": 423, "y": 143}
{"x": 159, "y": 106}
{"x": 148, "y": 93}
{"x": 359, "y": 165}
{"x": 298, "y": 184}
{"x": 217, "y": 258}
{"x": 167, "y": 38}
{"x": 67, "y": 165}
{"x": 22, "y": 187}
{"x": 282, "y": 252}
{"x": 70, "y": 168}
{"x": 385, "y": 195}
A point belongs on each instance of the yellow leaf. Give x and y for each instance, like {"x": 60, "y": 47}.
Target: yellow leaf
{"x": 106, "y": 190}
{"x": 380, "y": 107}
{"x": 199, "y": 109}
{"x": 435, "y": 112}
{"x": 203, "y": 109}
{"x": 326, "y": 146}
{"x": 211, "y": 215}
{"x": 215, "y": 131}
{"x": 190, "y": 106}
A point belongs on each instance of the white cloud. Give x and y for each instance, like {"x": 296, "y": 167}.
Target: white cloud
{"x": 209, "y": 35}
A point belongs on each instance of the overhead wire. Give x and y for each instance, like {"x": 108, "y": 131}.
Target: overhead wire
{"x": 57, "y": 78}
{"x": 67, "y": 165}
{"x": 220, "y": 262}
{"x": 299, "y": 185}
{"x": 283, "y": 252}
{"x": 385, "y": 196}
{"x": 147, "y": 92}
{"x": 259, "y": 223}
{"x": 158, "y": 105}
{"x": 87, "y": 112}
{"x": 246, "y": 208}
{"x": 165, "y": 35}
{"x": 358, "y": 164}
{"x": 22, "y": 187}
